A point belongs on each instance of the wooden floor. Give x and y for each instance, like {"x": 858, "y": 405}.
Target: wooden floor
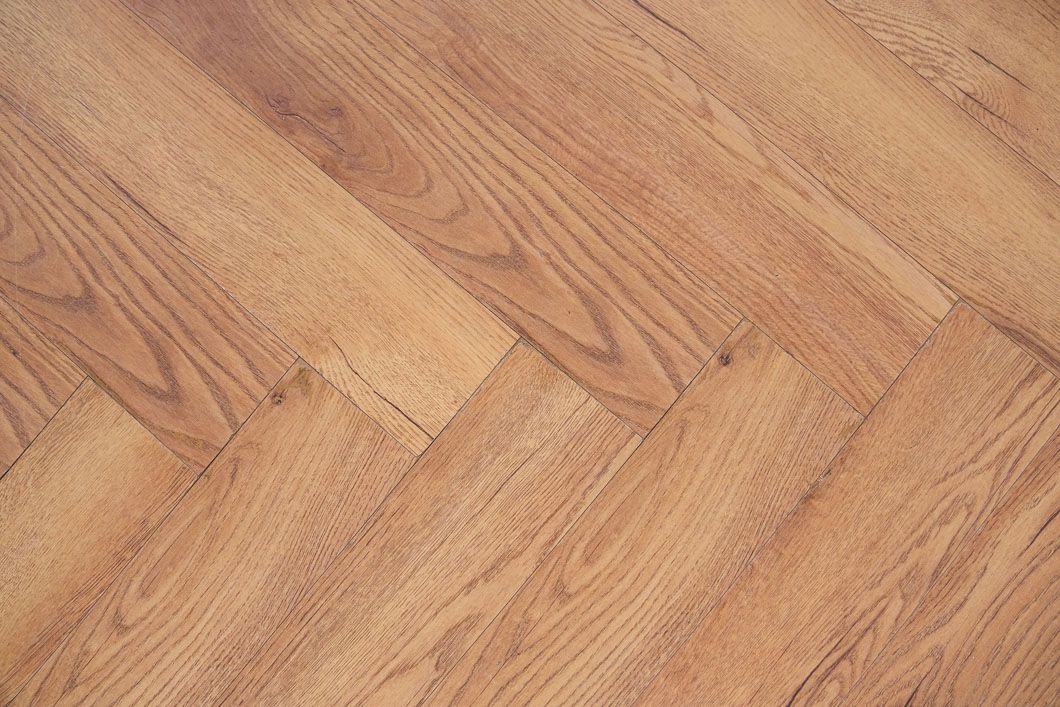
{"x": 552, "y": 352}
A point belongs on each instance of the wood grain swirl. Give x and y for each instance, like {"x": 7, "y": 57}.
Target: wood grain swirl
{"x": 149, "y": 326}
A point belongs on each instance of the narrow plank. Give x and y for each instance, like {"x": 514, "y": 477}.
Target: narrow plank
{"x": 600, "y": 617}
{"x": 470, "y": 522}
{"x": 679, "y": 164}
{"x": 76, "y": 505}
{"x": 514, "y": 228}
{"x": 335, "y": 283}
{"x": 287, "y": 494}
{"x": 997, "y": 61}
{"x": 863, "y": 552}
{"x": 35, "y": 379}
{"x": 988, "y": 632}
{"x": 88, "y": 272}
{"x": 910, "y": 161}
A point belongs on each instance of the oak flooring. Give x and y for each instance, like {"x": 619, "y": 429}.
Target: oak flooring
{"x": 590, "y": 352}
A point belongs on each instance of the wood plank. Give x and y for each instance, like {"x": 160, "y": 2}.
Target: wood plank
{"x": 997, "y": 61}
{"x": 167, "y": 343}
{"x": 910, "y": 161}
{"x": 288, "y": 493}
{"x": 864, "y": 551}
{"x": 465, "y": 528}
{"x": 514, "y": 228}
{"x": 988, "y": 631}
{"x": 600, "y": 617}
{"x": 334, "y": 282}
{"x": 74, "y": 508}
{"x": 684, "y": 168}
{"x": 35, "y": 379}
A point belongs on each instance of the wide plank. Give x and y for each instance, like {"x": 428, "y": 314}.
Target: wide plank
{"x": 668, "y": 155}
{"x": 281, "y": 501}
{"x": 509, "y": 224}
{"x": 36, "y": 378}
{"x": 74, "y": 508}
{"x": 860, "y": 555}
{"x": 988, "y": 631}
{"x": 998, "y": 61}
{"x": 600, "y": 617}
{"x": 167, "y": 343}
{"x": 449, "y": 548}
{"x": 923, "y": 171}
{"x": 334, "y": 282}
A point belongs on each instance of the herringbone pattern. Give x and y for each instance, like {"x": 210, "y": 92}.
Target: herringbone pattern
{"x": 576, "y": 352}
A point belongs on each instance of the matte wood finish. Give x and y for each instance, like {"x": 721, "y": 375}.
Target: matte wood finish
{"x": 589, "y": 352}
{"x": 74, "y": 508}
{"x": 836, "y": 587}
{"x": 35, "y": 379}
{"x": 148, "y": 325}
{"x": 480, "y": 509}
{"x": 678, "y": 163}
{"x": 316, "y": 266}
{"x": 923, "y": 171}
{"x": 602, "y": 614}
{"x": 996, "y": 60}
{"x": 518, "y": 231}
{"x": 271, "y": 513}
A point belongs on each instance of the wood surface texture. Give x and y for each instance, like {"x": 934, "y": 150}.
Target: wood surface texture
{"x": 574, "y": 352}
{"x": 924, "y": 172}
{"x": 35, "y": 379}
{"x": 73, "y": 509}
{"x": 505, "y": 221}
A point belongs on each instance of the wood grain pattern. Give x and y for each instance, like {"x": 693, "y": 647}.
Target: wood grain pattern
{"x": 678, "y": 163}
{"x": 334, "y": 282}
{"x": 547, "y": 254}
{"x": 600, "y": 617}
{"x": 35, "y": 379}
{"x": 995, "y": 60}
{"x": 292, "y": 489}
{"x": 86, "y": 270}
{"x": 861, "y": 555}
{"x": 923, "y": 171}
{"x": 75, "y": 507}
{"x": 988, "y": 631}
{"x": 450, "y": 547}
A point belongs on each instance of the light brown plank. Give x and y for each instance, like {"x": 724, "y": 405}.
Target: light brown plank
{"x": 641, "y": 568}
{"x": 988, "y": 632}
{"x": 910, "y": 161}
{"x": 86, "y": 270}
{"x": 862, "y": 553}
{"x": 334, "y": 282}
{"x": 288, "y": 493}
{"x": 35, "y": 379}
{"x": 75, "y": 507}
{"x": 998, "y": 61}
{"x": 450, "y": 547}
{"x": 513, "y": 227}
{"x": 664, "y": 152}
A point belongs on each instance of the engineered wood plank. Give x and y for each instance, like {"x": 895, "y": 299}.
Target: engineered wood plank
{"x": 290, "y": 491}
{"x": 668, "y": 155}
{"x": 328, "y": 277}
{"x": 506, "y": 222}
{"x": 862, "y": 554}
{"x": 35, "y": 379}
{"x": 989, "y": 630}
{"x": 998, "y": 61}
{"x": 599, "y": 618}
{"x": 452, "y": 544}
{"x": 924, "y": 172}
{"x": 149, "y": 326}
{"x": 74, "y": 508}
